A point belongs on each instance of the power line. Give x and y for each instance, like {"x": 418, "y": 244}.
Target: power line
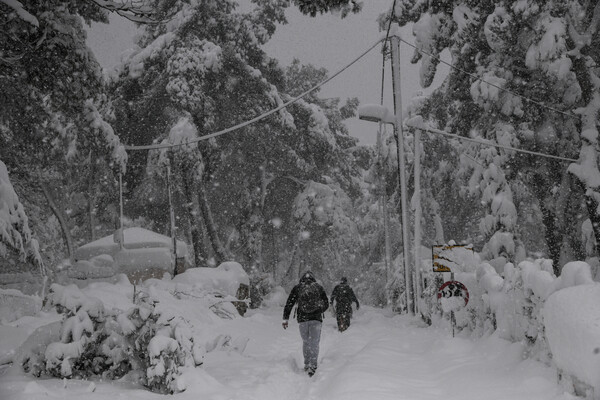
{"x": 527, "y": 99}
{"x": 258, "y": 118}
{"x": 466, "y": 139}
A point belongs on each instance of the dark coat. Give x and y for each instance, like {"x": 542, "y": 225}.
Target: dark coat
{"x": 293, "y": 299}
{"x": 344, "y": 296}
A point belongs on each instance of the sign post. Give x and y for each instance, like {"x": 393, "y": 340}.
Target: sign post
{"x": 453, "y": 294}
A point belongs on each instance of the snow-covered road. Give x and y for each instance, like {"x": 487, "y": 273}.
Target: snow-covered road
{"x": 378, "y": 357}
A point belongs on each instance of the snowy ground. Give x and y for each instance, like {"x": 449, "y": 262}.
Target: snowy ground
{"x": 379, "y": 357}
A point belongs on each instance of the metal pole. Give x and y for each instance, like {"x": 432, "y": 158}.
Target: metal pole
{"x": 383, "y": 204}
{"x": 172, "y": 215}
{"x": 395, "y": 45}
{"x": 382, "y": 185}
{"x": 417, "y": 248}
{"x": 386, "y": 228}
{"x": 122, "y": 235}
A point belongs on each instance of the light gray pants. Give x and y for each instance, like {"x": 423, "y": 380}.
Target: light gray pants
{"x": 310, "y": 331}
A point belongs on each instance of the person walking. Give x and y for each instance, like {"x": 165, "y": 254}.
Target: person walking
{"x": 312, "y": 303}
{"x": 343, "y": 296}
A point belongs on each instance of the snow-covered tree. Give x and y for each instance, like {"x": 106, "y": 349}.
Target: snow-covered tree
{"x": 216, "y": 75}
{"x": 313, "y": 7}
{"x": 188, "y": 167}
{"x": 51, "y": 118}
{"x": 499, "y": 65}
{"x": 265, "y": 167}
{"x": 328, "y": 234}
{"x": 205, "y": 64}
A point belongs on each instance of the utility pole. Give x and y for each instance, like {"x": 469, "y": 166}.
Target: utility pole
{"x": 172, "y": 217}
{"x": 417, "y": 198}
{"x": 383, "y": 204}
{"x": 121, "y": 234}
{"x": 395, "y": 47}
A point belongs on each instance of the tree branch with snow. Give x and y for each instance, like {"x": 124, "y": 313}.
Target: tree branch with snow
{"x": 14, "y": 224}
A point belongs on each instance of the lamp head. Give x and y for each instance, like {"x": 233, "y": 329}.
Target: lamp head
{"x": 375, "y": 113}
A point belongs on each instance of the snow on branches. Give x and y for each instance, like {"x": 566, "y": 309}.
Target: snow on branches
{"x": 106, "y": 133}
{"x": 14, "y": 225}
{"x": 21, "y": 12}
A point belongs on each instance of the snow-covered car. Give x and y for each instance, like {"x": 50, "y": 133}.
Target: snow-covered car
{"x": 139, "y": 253}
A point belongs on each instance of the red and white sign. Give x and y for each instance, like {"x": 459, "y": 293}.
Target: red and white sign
{"x": 453, "y": 289}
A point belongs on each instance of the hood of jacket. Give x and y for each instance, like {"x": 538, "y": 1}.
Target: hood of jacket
{"x": 308, "y": 277}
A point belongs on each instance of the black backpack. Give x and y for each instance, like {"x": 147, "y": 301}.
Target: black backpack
{"x": 309, "y": 298}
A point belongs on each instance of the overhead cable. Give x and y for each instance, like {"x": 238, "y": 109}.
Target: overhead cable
{"x": 485, "y": 143}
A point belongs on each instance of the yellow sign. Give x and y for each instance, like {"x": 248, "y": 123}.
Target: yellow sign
{"x": 443, "y": 258}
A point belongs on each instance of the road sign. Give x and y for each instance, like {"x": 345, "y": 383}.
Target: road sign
{"x": 445, "y": 256}
{"x": 453, "y": 289}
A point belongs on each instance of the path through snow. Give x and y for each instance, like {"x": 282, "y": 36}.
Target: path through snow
{"x": 378, "y": 357}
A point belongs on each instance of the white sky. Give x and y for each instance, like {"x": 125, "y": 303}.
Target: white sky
{"x": 324, "y": 41}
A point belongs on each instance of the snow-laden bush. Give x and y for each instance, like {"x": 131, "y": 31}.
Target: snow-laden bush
{"x": 95, "y": 341}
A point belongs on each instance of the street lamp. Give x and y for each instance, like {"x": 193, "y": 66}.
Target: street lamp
{"x": 380, "y": 114}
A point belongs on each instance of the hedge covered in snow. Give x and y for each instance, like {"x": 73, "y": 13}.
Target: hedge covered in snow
{"x": 149, "y": 333}
{"x": 557, "y": 317}
{"x": 96, "y": 341}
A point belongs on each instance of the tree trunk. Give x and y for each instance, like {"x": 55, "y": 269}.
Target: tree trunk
{"x": 193, "y": 210}
{"x": 293, "y": 272}
{"x": 92, "y": 198}
{"x": 256, "y": 223}
{"x": 253, "y": 238}
{"x": 220, "y": 252}
{"x": 592, "y": 207}
{"x": 553, "y": 231}
{"x": 61, "y": 218}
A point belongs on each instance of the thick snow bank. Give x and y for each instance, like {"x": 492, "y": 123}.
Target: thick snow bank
{"x": 574, "y": 273}
{"x": 572, "y": 324}
{"x": 15, "y": 333}
{"x": 14, "y": 305}
{"x": 102, "y": 266}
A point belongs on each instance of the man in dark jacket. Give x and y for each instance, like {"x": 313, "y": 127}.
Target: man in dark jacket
{"x": 343, "y": 295}
{"x": 312, "y": 303}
